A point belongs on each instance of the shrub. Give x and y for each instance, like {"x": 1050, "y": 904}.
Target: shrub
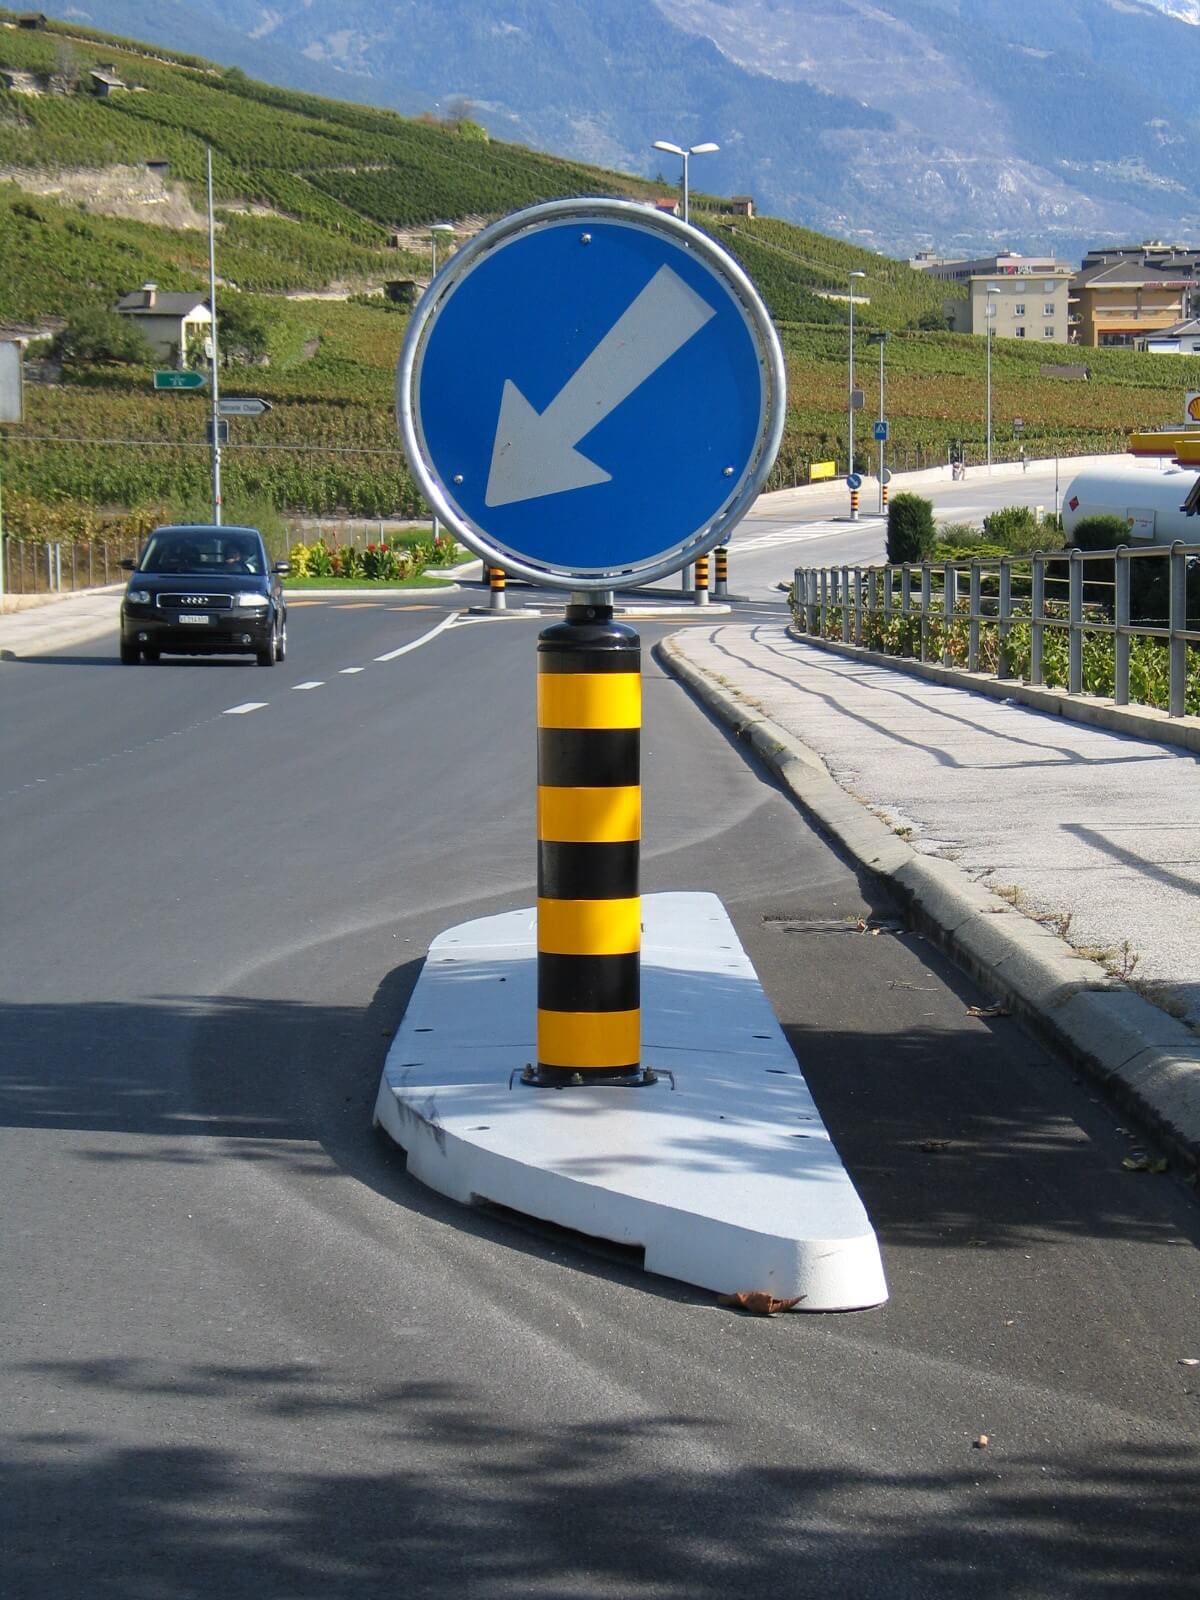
{"x": 96, "y": 334}
{"x": 910, "y": 530}
{"x": 1018, "y": 532}
{"x": 1101, "y": 532}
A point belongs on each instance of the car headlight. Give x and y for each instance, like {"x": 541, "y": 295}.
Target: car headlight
{"x": 247, "y": 601}
{"x": 138, "y": 597}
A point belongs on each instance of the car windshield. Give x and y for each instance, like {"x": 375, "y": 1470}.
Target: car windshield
{"x": 201, "y": 550}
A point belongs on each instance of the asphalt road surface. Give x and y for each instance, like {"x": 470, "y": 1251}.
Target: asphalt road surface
{"x": 246, "y": 1355}
{"x": 811, "y": 527}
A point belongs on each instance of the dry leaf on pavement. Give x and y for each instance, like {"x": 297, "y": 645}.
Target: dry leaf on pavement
{"x": 760, "y": 1301}
{"x": 988, "y": 1011}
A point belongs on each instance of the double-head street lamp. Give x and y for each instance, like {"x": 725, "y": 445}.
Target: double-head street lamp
{"x": 678, "y": 150}
{"x": 988, "y": 323}
{"x": 850, "y": 397}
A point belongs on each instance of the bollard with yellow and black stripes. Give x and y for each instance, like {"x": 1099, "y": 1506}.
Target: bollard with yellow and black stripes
{"x": 701, "y": 590}
{"x": 722, "y": 584}
{"x": 497, "y": 579}
{"x": 854, "y": 505}
{"x": 589, "y": 718}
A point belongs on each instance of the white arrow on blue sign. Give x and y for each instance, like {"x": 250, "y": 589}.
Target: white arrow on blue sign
{"x": 854, "y": 480}
{"x": 591, "y": 393}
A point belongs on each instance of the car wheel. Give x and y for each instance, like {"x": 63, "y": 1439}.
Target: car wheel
{"x": 150, "y": 654}
{"x": 269, "y": 654}
{"x": 130, "y": 654}
{"x": 282, "y": 650}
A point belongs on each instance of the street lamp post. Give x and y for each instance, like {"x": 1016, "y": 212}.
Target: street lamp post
{"x": 988, "y": 322}
{"x": 438, "y": 230}
{"x": 881, "y": 340}
{"x": 678, "y": 150}
{"x": 685, "y": 577}
{"x": 850, "y": 396}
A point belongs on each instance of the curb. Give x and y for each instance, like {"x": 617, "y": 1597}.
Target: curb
{"x": 1145, "y": 1058}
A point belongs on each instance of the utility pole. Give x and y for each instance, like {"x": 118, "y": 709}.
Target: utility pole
{"x": 212, "y": 306}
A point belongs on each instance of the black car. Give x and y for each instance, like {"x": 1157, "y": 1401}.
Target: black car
{"x": 201, "y": 590}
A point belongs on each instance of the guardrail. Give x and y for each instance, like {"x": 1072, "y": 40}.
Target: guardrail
{"x": 994, "y": 614}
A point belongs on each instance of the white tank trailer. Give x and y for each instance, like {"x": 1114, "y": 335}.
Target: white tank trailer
{"x": 1148, "y": 498}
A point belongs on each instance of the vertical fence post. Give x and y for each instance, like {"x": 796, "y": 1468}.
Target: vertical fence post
{"x": 811, "y": 594}
{"x": 973, "y": 624}
{"x": 887, "y": 592}
{"x": 845, "y": 605}
{"x": 1037, "y": 619}
{"x": 1121, "y": 576}
{"x": 906, "y": 609}
{"x": 926, "y": 597}
{"x": 1004, "y": 623}
{"x": 858, "y": 606}
{"x": 1177, "y": 622}
{"x": 1075, "y": 619}
{"x": 823, "y": 621}
{"x": 949, "y": 602}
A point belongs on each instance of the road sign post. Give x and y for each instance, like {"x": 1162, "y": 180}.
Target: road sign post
{"x": 172, "y": 379}
{"x": 625, "y": 405}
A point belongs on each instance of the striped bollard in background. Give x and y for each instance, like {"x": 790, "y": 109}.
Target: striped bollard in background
{"x": 853, "y": 505}
{"x": 496, "y": 589}
{"x": 722, "y": 585}
{"x": 589, "y": 714}
{"x": 701, "y": 591}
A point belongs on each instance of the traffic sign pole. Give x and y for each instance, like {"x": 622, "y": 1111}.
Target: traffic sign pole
{"x": 625, "y": 406}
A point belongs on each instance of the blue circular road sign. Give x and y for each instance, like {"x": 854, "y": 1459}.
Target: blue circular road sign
{"x": 591, "y": 393}
{"x": 853, "y": 480}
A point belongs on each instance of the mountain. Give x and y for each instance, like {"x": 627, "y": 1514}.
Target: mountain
{"x": 959, "y": 125}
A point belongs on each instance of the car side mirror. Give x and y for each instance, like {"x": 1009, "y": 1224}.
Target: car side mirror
{"x": 282, "y": 568}
{"x": 127, "y": 564}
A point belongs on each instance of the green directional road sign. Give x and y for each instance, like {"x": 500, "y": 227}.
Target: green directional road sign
{"x": 178, "y": 380}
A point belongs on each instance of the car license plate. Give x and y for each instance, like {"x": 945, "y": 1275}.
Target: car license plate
{"x": 187, "y": 616}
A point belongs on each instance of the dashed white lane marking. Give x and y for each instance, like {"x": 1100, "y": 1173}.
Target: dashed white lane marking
{"x": 313, "y": 683}
{"x": 347, "y": 672}
{"x": 248, "y": 705}
{"x": 445, "y": 623}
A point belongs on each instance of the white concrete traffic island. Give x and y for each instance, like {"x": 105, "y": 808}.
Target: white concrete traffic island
{"x": 720, "y": 1169}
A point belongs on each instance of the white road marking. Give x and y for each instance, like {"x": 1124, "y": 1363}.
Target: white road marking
{"x": 445, "y": 623}
{"x": 313, "y": 683}
{"x": 248, "y": 705}
{"x": 346, "y": 672}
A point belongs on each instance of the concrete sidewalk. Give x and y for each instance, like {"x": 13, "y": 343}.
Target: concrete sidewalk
{"x": 1051, "y": 859}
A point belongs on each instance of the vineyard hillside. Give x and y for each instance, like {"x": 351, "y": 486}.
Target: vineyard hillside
{"x": 319, "y": 205}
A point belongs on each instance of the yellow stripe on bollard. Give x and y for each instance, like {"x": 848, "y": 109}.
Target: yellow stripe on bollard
{"x": 590, "y": 927}
{"x": 589, "y": 816}
{"x": 589, "y": 700}
{"x": 583, "y": 1040}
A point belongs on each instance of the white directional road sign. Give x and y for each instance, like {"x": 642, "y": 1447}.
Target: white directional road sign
{"x": 233, "y": 406}
{"x": 591, "y": 393}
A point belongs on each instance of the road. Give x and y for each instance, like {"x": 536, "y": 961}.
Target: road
{"x": 246, "y": 1355}
{"x": 812, "y": 526}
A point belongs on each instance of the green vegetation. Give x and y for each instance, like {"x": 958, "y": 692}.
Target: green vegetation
{"x": 910, "y": 529}
{"x": 307, "y": 192}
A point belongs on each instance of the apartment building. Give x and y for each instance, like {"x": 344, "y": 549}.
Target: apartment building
{"x": 1124, "y": 295}
{"x": 1024, "y": 297}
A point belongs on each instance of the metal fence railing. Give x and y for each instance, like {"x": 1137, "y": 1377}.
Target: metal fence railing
{"x": 45, "y": 566}
{"x": 1124, "y": 624}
